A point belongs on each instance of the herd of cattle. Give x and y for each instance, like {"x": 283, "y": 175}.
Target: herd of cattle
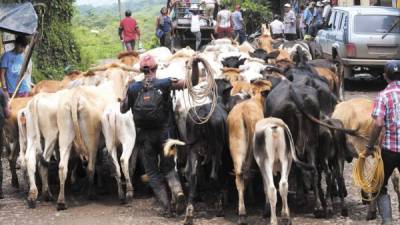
{"x": 275, "y": 104}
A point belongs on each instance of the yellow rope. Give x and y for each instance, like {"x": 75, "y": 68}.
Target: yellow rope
{"x": 369, "y": 176}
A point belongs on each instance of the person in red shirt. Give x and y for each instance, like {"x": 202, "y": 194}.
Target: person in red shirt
{"x": 129, "y": 31}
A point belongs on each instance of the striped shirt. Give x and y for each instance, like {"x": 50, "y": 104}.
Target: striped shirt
{"x": 387, "y": 106}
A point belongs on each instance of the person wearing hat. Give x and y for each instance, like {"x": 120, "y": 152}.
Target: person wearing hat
{"x": 151, "y": 104}
{"x": 277, "y": 27}
{"x": 308, "y": 17}
{"x": 317, "y": 22}
{"x": 238, "y": 27}
{"x": 326, "y": 14}
{"x": 386, "y": 117}
{"x": 128, "y": 31}
{"x": 10, "y": 67}
{"x": 290, "y": 23}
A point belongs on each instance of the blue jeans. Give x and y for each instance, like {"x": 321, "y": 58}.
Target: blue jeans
{"x": 241, "y": 35}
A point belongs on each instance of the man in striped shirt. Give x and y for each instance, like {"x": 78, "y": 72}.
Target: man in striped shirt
{"x": 386, "y": 115}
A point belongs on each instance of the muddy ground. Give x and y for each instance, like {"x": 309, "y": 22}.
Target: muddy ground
{"x": 142, "y": 210}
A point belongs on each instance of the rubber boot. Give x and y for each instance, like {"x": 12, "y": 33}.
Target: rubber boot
{"x": 176, "y": 189}
{"x": 162, "y": 196}
{"x": 385, "y": 209}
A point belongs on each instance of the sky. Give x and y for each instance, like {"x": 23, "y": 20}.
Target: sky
{"x": 95, "y": 2}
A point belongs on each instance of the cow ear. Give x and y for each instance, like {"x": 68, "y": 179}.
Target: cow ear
{"x": 224, "y": 64}
{"x": 241, "y": 61}
{"x": 273, "y": 55}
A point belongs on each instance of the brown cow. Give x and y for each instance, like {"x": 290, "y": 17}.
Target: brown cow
{"x": 12, "y": 136}
{"x": 241, "y": 124}
{"x": 52, "y": 86}
{"x": 128, "y": 58}
{"x": 265, "y": 42}
{"x": 356, "y": 114}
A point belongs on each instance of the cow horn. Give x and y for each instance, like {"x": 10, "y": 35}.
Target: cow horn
{"x": 212, "y": 37}
{"x": 168, "y": 147}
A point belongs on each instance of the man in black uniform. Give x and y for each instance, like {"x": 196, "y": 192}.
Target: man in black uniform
{"x": 151, "y": 104}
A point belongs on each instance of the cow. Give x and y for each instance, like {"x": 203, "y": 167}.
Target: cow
{"x": 356, "y": 114}
{"x": 79, "y": 117}
{"x": 241, "y": 124}
{"x": 40, "y": 124}
{"x": 3, "y": 114}
{"x": 333, "y": 151}
{"x": 51, "y": 86}
{"x": 233, "y": 62}
{"x": 11, "y": 136}
{"x": 274, "y": 149}
{"x": 265, "y": 42}
{"x": 119, "y": 130}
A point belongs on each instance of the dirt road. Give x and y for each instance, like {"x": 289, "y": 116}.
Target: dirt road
{"x": 107, "y": 210}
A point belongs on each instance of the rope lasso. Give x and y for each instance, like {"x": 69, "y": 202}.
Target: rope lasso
{"x": 196, "y": 97}
{"x": 368, "y": 174}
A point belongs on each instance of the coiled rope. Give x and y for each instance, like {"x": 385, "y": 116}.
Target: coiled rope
{"x": 368, "y": 174}
{"x": 196, "y": 96}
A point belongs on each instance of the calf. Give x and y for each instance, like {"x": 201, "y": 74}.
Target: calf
{"x": 273, "y": 154}
{"x": 119, "y": 129}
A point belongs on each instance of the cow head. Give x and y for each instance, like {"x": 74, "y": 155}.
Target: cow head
{"x": 231, "y": 74}
{"x": 233, "y": 61}
{"x": 300, "y": 57}
{"x": 128, "y": 58}
{"x": 224, "y": 91}
{"x": 263, "y": 54}
{"x": 261, "y": 87}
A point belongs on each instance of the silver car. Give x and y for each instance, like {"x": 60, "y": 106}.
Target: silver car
{"x": 362, "y": 38}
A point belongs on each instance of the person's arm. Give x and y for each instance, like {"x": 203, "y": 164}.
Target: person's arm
{"x": 3, "y": 79}
{"x": 181, "y": 84}
{"x": 120, "y": 29}
{"x": 378, "y": 115}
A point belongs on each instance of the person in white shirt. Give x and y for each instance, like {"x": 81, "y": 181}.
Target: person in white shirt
{"x": 224, "y": 23}
{"x": 290, "y": 23}
{"x": 277, "y": 27}
{"x": 195, "y": 27}
{"x": 326, "y": 14}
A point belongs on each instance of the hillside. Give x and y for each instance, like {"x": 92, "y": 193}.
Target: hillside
{"x": 96, "y": 28}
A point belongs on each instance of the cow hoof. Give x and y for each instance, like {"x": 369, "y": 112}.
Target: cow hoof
{"x": 188, "y": 221}
{"x": 1, "y": 195}
{"x": 285, "y": 221}
{"x": 371, "y": 215}
{"x": 320, "y": 213}
{"x": 123, "y": 201}
{"x": 220, "y": 213}
{"x": 129, "y": 195}
{"x": 266, "y": 212}
{"x": 180, "y": 204}
{"x": 31, "y": 204}
{"x": 242, "y": 220}
{"x": 61, "y": 206}
{"x": 345, "y": 212}
{"x": 47, "y": 197}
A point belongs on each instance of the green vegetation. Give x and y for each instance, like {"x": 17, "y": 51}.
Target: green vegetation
{"x": 96, "y": 29}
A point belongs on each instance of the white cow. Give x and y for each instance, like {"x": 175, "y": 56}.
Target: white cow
{"x": 119, "y": 130}
{"x": 41, "y": 122}
{"x": 272, "y": 155}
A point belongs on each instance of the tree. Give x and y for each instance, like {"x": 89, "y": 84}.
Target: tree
{"x": 57, "y": 47}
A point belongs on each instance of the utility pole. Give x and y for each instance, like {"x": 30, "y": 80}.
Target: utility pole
{"x": 120, "y": 17}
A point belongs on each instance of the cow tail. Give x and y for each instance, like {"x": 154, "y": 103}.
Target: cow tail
{"x": 33, "y": 107}
{"x": 300, "y": 105}
{"x": 249, "y": 127}
{"x": 293, "y": 150}
{"x": 75, "y": 123}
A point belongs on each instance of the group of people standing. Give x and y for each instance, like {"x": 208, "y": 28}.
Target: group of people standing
{"x": 313, "y": 17}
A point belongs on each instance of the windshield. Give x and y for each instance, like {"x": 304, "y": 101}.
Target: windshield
{"x": 376, "y": 24}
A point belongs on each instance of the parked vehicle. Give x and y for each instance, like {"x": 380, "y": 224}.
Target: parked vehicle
{"x": 361, "y": 38}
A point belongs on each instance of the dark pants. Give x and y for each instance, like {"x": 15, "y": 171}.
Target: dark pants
{"x": 391, "y": 160}
{"x": 150, "y": 143}
{"x": 276, "y": 36}
{"x": 240, "y": 35}
{"x": 165, "y": 40}
{"x": 291, "y": 37}
{"x": 130, "y": 45}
